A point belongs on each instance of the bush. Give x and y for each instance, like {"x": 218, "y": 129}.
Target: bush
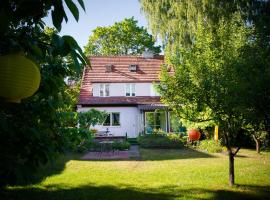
{"x": 210, "y": 146}
{"x": 121, "y": 145}
{"x": 85, "y": 146}
{"x": 166, "y": 141}
{"x": 95, "y": 146}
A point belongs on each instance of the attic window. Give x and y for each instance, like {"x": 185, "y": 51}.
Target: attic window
{"x": 133, "y": 68}
{"x": 109, "y": 68}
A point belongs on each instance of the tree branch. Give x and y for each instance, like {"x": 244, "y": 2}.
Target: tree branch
{"x": 238, "y": 148}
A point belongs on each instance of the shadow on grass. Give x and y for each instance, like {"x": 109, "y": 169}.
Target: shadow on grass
{"x": 159, "y": 155}
{"x": 81, "y": 193}
{"x": 130, "y": 193}
{"x": 53, "y": 167}
{"x": 58, "y": 165}
{"x": 249, "y": 192}
{"x": 173, "y": 154}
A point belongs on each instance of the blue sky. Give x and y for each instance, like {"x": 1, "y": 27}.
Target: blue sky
{"x": 99, "y": 13}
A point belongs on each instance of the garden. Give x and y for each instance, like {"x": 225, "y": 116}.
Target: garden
{"x": 159, "y": 174}
{"x": 216, "y": 74}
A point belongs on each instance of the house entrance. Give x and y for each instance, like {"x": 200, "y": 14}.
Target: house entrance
{"x": 155, "y": 121}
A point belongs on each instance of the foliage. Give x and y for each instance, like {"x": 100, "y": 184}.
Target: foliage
{"x": 75, "y": 127}
{"x": 209, "y": 96}
{"x": 121, "y": 145}
{"x": 29, "y": 131}
{"x": 92, "y": 145}
{"x": 213, "y": 47}
{"x": 122, "y": 38}
{"x": 210, "y": 146}
{"x": 160, "y": 140}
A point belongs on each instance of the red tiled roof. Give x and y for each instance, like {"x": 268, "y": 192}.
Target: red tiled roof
{"x": 120, "y": 100}
{"x": 148, "y": 71}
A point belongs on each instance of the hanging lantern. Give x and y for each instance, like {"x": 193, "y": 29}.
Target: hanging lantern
{"x": 194, "y": 135}
{"x": 19, "y": 77}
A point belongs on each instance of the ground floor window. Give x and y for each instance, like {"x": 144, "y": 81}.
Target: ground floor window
{"x": 112, "y": 119}
{"x": 155, "y": 121}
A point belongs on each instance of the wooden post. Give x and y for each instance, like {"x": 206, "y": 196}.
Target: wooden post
{"x": 216, "y": 133}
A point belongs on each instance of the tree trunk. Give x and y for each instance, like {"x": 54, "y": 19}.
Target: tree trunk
{"x": 231, "y": 154}
{"x": 231, "y": 168}
{"x": 258, "y": 144}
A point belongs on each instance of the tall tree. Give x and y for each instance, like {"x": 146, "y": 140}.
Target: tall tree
{"x": 122, "y": 38}
{"x": 29, "y": 131}
{"x": 209, "y": 45}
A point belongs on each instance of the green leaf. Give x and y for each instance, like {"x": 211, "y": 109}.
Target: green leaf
{"x": 81, "y": 4}
{"x": 75, "y": 59}
{"x": 57, "y": 41}
{"x": 75, "y": 47}
{"x": 57, "y": 19}
{"x": 36, "y": 50}
{"x": 71, "y": 42}
{"x": 73, "y": 9}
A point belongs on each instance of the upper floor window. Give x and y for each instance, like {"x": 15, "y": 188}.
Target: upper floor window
{"x": 130, "y": 89}
{"x": 104, "y": 90}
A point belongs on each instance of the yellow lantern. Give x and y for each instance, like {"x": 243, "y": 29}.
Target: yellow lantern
{"x": 19, "y": 77}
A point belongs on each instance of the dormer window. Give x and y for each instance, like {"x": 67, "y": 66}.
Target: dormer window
{"x": 133, "y": 68}
{"x": 109, "y": 68}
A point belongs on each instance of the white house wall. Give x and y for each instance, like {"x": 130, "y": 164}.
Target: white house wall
{"x": 119, "y": 89}
{"x": 130, "y": 120}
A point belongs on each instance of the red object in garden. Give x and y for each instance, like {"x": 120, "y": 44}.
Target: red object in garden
{"x": 194, "y": 135}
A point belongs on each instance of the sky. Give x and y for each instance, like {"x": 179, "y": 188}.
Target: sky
{"x": 99, "y": 13}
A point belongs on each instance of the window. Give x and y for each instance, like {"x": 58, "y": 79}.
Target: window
{"x": 115, "y": 119}
{"x": 155, "y": 121}
{"x": 132, "y": 68}
{"x": 104, "y": 90}
{"x": 107, "y": 121}
{"x": 112, "y": 119}
{"x": 130, "y": 89}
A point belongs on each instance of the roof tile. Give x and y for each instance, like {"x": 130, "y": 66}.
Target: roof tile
{"x": 148, "y": 71}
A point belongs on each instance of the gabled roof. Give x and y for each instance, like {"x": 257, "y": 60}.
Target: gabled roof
{"x": 148, "y": 71}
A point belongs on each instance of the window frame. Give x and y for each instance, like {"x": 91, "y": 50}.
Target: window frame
{"x": 111, "y": 120}
{"x": 104, "y": 89}
{"x": 130, "y": 88}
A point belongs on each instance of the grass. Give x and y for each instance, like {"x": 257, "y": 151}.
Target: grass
{"x": 160, "y": 174}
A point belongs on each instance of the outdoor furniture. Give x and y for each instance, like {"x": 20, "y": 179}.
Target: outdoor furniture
{"x": 103, "y": 133}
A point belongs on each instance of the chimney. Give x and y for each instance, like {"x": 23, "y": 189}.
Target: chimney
{"x": 148, "y": 54}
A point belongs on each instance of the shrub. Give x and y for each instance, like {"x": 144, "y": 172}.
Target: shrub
{"x": 95, "y": 146}
{"x": 210, "y": 146}
{"x": 167, "y": 141}
{"x": 121, "y": 145}
{"x": 85, "y": 146}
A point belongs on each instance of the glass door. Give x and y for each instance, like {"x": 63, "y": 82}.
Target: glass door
{"x": 155, "y": 121}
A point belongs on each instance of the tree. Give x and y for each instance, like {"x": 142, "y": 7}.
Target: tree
{"x": 29, "y": 131}
{"x": 122, "y": 38}
{"x": 208, "y": 44}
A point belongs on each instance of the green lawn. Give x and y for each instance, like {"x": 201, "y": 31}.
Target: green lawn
{"x": 160, "y": 174}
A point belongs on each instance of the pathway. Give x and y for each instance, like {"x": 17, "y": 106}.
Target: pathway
{"x": 132, "y": 153}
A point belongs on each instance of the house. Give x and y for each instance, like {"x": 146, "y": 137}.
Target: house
{"x": 124, "y": 87}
